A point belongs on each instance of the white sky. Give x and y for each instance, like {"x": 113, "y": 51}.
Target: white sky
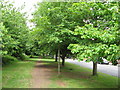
{"x": 29, "y": 7}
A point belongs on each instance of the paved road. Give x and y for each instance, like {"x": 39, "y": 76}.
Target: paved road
{"x": 107, "y": 69}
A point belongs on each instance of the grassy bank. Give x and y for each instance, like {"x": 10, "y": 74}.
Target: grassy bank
{"x": 17, "y": 75}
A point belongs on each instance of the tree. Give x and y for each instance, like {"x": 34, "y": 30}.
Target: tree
{"x": 16, "y": 30}
{"x": 53, "y": 26}
{"x": 99, "y": 37}
{"x": 5, "y": 39}
{"x": 89, "y": 29}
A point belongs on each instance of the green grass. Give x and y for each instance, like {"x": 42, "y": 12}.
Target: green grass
{"x": 17, "y": 75}
{"x": 0, "y": 77}
{"x": 34, "y": 59}
{"x": 80, "y": 77}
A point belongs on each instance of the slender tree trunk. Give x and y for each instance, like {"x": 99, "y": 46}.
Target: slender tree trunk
{"x": 63, "y": 60}
{"x": 56, "y": 56}
{"x": 58, "y": 62}
{"x": 94, "y": 68}
{"x": 43, "y": 55}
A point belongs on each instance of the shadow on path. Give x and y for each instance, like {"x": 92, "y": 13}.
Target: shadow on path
{"x": 41, "y": 74}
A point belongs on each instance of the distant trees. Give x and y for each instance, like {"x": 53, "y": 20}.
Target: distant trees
{"x": 14, "y": 31}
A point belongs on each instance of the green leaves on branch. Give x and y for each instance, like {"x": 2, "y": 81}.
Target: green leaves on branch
{"x": 99, "y": 36}
{"x": 89, "y": 29}
{"x": 14, "y": 31}
{"x": 90, "y": 32}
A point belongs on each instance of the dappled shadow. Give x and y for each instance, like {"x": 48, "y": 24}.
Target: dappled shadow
{"x": 76, "y": 75}
{"x": 45, "y": 66}
{"x": 67, "y": 72}
{"x": 41, "y": 61}
{"x": 41, "y": 75}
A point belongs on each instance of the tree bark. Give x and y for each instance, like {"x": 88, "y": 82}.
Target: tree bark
{"x": 63, "y": 60}
{"x": 59, "y": 63}
{"x": 56, "y": 56}
{"x": 94, "y": 68}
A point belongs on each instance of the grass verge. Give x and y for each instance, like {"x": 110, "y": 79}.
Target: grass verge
{"x": 74, "y": 76}
{"x": 17, "y": 75}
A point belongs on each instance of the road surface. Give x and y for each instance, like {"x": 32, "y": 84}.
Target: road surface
{"x": 107, "y": 69}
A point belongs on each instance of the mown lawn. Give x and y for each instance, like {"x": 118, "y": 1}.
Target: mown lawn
{"x": 17, "y": 74}
{"x": 74, "y": 76}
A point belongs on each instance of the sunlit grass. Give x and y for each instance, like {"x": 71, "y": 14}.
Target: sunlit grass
{"x": 74, "y": 76}
{"x": 17, "y": 75}
{"x": 82, "y": 78}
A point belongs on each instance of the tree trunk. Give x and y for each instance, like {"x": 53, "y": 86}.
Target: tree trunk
{"x": 59, "y": 63}
{"x": 94, "y": 68}
{"x": 63, "y": 60}
{"x": 56, "y": 56}
{"x": 114, "y": 62}
{"x": 43, "y": 55}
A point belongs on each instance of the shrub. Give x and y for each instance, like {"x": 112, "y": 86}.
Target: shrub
{"x": 23, "y": 57}
{"x": 6, "y": 59}
{"x": 47, "y": 57}
{"x": 114, "y": 62}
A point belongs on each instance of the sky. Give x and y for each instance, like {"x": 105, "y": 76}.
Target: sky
{"x": 29, "y": 5}
{"x": 29, "y": 8}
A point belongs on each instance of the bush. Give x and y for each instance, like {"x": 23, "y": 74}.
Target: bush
{"x": 114, "y": 62}
{"x": 23, "y": 57}
{"x": 6, "y": 59}
{"x": 47, "y": 57}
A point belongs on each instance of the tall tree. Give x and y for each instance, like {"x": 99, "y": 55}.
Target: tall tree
{"x": 15, "y": 23}
{"x": 99, "y": 37}
{"x": 53, "y": 26}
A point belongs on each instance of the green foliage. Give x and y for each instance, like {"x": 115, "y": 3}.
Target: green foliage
{"x": 89, "y": 29}
{"x": 47, "y": 57}
{"x": 23, "y": 57}
{"x": 104, "y": 35}
{"x": 14, "y": 31}
{"x": 54, "y": 26}
{"x": 2, "y": 35}
{"x": 6, "y": 59}
{"x": 99, "y": 37}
